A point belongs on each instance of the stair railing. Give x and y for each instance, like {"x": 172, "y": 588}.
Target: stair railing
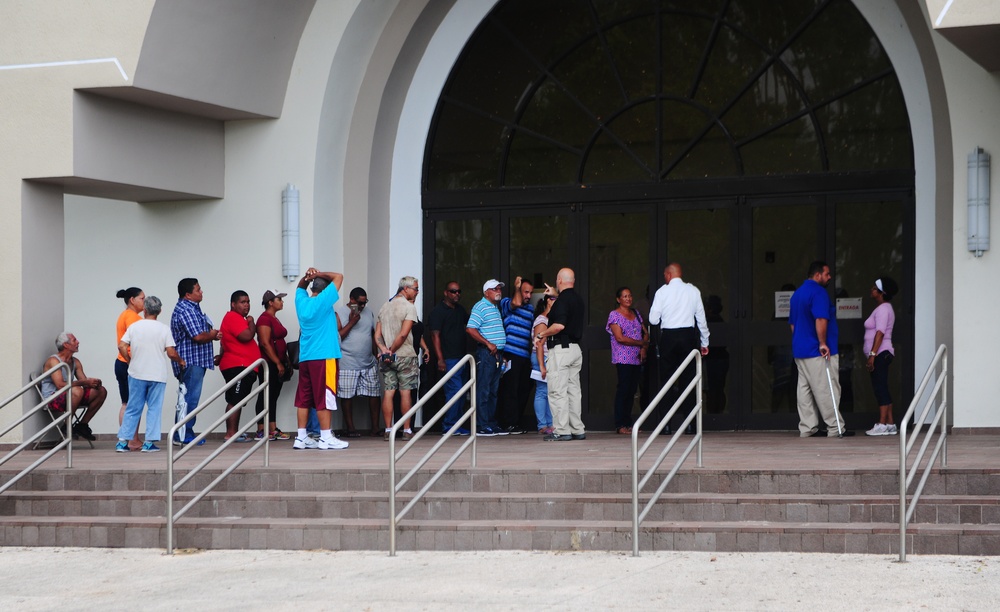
{"x": 394, "y": 457}
{"x": 938, "y": 399}
{"x": 638, "y": 452}
{"x": 65, "y": 420}
{"x": 173, "y": 456}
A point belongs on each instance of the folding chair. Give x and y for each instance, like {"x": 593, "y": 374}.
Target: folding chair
{"x": 53, "y": 415}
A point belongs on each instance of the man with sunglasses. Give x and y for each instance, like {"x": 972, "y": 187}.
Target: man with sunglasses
{"x": 448, "y": 341}
{"x": 358, "y": 370}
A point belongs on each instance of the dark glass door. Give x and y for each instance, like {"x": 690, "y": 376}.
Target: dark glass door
{"x": 779, "y": 239}
{"x": 746, "y": 255}
{"x": 704, "y": 240}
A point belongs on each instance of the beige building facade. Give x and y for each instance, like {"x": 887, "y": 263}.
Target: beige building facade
{"x": 147, "y": 141}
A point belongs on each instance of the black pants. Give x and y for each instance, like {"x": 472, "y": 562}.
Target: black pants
{"x": 273, "y": 391}
{"x": 628, "y": 381}
{"x": 675, "y": 345}
{"x": 515, "y": 387}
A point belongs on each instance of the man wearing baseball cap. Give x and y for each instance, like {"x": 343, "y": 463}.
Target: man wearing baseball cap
{"x": 485, "y": 326}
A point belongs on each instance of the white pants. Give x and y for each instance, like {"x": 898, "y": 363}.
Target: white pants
{"x": 814, "y": 396}
{"x": 565, "y": 399}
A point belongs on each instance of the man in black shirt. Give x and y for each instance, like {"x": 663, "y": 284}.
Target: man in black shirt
{"x": 448, "y": 339}
{"x": 565, "y": 358}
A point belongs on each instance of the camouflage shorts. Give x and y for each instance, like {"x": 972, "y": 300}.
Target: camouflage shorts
{"x": 400, "y": 374}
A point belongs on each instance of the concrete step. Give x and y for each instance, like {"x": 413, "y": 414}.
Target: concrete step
{"x": 830, "y": 482}
{"x": 372, "y": 534}
{"x": 934, "y": 509}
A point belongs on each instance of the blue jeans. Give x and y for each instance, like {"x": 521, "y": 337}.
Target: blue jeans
{"x": 140, "y": 393}
{"x": 542, "y": 413}
{"x": 451, "y": 388}
{"x": 193, "y": 377}
{"x": 487, "y": 383}
{"x": 312, "y": 423}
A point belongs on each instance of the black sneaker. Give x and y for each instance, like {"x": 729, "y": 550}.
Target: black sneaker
{"x": 513, "y": 430}
{"x": 554, "y": 437}
{"x": 582, "y": 436}
{"x": 82, "y": 430}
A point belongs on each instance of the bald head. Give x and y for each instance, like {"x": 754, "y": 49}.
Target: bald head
{"x": 565, "y": 279}
{"x": 672, "y": 271}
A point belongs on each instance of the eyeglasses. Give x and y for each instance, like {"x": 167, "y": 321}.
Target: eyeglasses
{"x": 455, "y": 291}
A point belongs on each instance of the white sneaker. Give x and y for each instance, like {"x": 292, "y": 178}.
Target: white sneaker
{"x": 891, "y": 430}
{"x": 878, "y": 430}
{"x": 305, "y": 443}
{"x": 332, "y": 444}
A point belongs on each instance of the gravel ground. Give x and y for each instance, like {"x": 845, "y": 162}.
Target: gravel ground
{"x": 147, "y": 579}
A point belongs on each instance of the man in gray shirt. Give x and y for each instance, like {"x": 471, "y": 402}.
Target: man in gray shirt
{"x": 358, "y": 370}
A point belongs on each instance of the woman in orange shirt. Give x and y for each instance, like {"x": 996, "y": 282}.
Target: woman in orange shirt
{"x": 133, "y": 297}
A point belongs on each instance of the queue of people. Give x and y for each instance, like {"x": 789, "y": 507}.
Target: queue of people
{"x": 352, "y": 352}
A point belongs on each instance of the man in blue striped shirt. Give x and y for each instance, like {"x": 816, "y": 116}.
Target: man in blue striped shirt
{"x": 518, "y": 316}
{"x": 485, "y": 326}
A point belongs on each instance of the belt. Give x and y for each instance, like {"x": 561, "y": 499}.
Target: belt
{"x": 554, "y": 341}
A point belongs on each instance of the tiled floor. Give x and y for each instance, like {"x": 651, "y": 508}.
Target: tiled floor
{"x": 747, "y": 451}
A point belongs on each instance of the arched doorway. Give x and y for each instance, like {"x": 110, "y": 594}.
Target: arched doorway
{"x": 742, "y": 138}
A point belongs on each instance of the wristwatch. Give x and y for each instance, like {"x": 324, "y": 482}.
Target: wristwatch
{"x": 871, "y": 354}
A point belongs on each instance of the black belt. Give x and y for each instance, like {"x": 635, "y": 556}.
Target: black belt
{"x": 555, "y": 341}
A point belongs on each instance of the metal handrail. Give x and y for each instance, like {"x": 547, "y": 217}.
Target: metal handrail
{"x": 66, "y": 418}
{"x": 941, "y": 448}
{"x": 469, "y": 414}
{"x": 174, "y": 456}
{"x": 637, "y": 452}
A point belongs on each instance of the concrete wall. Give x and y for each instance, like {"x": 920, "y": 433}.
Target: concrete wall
{"x": 974, "y": 101}
{"x": 350, "y": 133}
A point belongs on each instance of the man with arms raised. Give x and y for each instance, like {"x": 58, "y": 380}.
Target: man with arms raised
{"x": 319, "y": 349}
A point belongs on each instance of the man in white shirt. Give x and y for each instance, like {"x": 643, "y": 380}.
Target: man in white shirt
{"x": 678, "y": 310}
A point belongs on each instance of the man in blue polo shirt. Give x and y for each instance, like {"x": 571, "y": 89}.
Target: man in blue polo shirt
{"x": 485, "y": 326}
{"x": 518, "y": 316}
{"x": 814, "y": 345}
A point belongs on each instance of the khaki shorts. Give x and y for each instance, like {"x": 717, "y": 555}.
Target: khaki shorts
{"x": 400, "y": 374}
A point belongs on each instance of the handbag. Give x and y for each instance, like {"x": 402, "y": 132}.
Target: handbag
{"x": 292, "y": 351}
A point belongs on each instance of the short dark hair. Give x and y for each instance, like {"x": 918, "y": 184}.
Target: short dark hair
{"x": 358, "y": 292}
{"x": 319, "y": 284}
{"x": 239, "y": 293}
{"x": 815, "y": 268}
{"x": 186, "y": 286}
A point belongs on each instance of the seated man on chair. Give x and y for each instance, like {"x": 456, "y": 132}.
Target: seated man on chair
{"x": 87, "y": 393}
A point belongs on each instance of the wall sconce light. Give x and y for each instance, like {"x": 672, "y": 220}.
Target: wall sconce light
{"x": 290, "y": 232}
{"x": 979, "y": 201}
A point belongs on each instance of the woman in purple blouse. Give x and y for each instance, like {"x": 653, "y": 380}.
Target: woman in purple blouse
{"x": 629, "y": 339}
{"x": 878, "y": 348}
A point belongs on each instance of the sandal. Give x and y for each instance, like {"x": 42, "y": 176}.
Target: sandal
{"x": 277, "y": 434}
{"x": 627, "y": 431}
{"x": 241, "y": 438}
